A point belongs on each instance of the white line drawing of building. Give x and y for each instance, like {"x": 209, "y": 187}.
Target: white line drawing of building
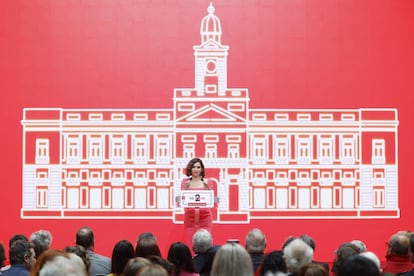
{"x": 266, "y": 163}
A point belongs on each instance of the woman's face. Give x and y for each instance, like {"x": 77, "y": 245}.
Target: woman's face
{"x": 196, "y": 169}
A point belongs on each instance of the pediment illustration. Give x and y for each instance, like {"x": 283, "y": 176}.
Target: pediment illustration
{"x": 210, "y": 44}
{"x": 211, "y": 113}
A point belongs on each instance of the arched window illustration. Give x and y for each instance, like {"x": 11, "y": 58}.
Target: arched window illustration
{"x": 211, "y": 150}
{"x": 96, "y": 149}
{"x": 162, "y": 150}
{"x": 73, "y": 149}
{"x": 140, "y": 150}
{"x": 42, "y": 151}
{"x": 378, "y": 151}
{"x": 259, "y": 149}
{"x": 304, "y": 149}
{"x": 281, "y": 149}
{"x": 326, "y": 149}
{"x": 347, "y": 149}
{"x": 118, "y": 149}
{"x": 189, "y": 151}
{"x": 233, "y": 151}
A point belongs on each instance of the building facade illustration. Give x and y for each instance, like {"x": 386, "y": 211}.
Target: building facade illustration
{"x": 265, "y": 163}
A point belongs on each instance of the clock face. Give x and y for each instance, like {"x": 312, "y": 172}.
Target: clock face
{"x": 211, "y": 66}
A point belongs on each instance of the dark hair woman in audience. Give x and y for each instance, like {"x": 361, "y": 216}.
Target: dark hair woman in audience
{"x": 147, "y": 248}
{"x": 358, "y": 265}
{"x": 180, "y": 255}
{"x": 273, "y": 262}
{"x": 344, "y": 251}
{"x": 123, "y": 251}
{"x": 166, "y": 264}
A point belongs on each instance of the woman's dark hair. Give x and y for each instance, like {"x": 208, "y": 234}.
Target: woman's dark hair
{"x": 179, "y": 254}
{"x": 273, "y": 262}
{"x": 191, "y": 164}
{"x": 123, "y": 251}
{"x": 147, "y": 248}
{"x": 344, "y": 251}
{"x": 164, "y": 263}
{"x": 358, "y": 265}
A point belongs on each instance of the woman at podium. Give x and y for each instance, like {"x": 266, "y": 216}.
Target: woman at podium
{"x": 196, "y": 218}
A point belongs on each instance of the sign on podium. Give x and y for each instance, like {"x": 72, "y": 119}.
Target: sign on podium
{"x": 197, "y": 198}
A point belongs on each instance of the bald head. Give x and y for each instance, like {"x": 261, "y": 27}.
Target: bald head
{"x": 399, "y": 244}
{"x": 85, "y": 238}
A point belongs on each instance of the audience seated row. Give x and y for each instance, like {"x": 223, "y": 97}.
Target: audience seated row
{"x": 34, "y": 256}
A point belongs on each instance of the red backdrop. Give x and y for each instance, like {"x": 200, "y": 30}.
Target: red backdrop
{"x": 133, "y": 53}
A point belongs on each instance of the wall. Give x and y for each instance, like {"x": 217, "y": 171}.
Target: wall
{"x": 132, "y": 54}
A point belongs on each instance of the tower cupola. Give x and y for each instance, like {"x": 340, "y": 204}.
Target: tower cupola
{"x": 210, "y": 26}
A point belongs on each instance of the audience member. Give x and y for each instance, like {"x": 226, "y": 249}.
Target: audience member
{"x": 62, "y": 264}
{"x": 232, "y": 260}
{"x": 371, "y": 255}
{"x": 180, "y": 255}
{"x": 17, "y": 237}
{"x": 146, "y": 236}
{"x": 313, "y": 269}
{"x": 147, "y": 248}
{"x": 255, "y": 246}
{"x": 297, "y": 254}
{"x": 344, "y": 251}
{"x": 411, "y": 254}
{"x": 41, "y": 240}
{"x": 287, "y": 241}
{"x": 14, "y": 238}
{"x": 134, "y": 265}
{"x": 311, "y": 242}
{"x": 166, "y": 264}
{"x": 82, "y": 253}
{"x": 47, "y": 255}
{"x": 272, "y": 263}
{"x": 100, "y": 265}
{"x": 2, "y": 255}
{"x": 152, "y": 269}
{"x": 397, "y": 258}
{"x": 204, "y": 251}
{"x": 123, "y": 251}
{"x": 358, "y": 265}
{"x": 361, "y": 245}
{"x": 22, "y": 257}
{"x": 351, "y": 258}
